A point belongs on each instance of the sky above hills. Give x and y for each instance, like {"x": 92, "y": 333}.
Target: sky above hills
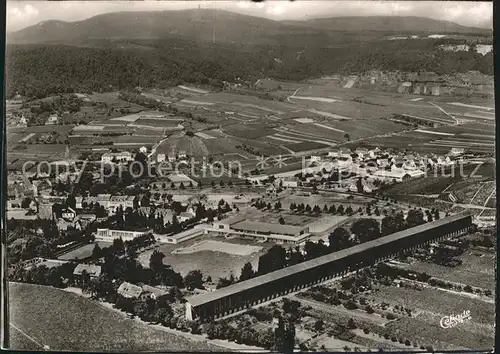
{"x": 21, "y": 14}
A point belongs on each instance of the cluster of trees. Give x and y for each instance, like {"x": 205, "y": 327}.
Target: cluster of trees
{"x": 60, "y": 276}
{"x": 317, "y": 209}
{"x": 244, "y": 335}
{"x": 41, "y": 238}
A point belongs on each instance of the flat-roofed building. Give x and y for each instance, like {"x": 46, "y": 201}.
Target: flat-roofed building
{"x": 110, "y": 235}
{"x": 263, "y": 288}
{"x": 239, "y": 225}
{"x": 183, "y": 236}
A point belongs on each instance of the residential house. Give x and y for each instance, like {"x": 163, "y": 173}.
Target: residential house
{"x": 68, "y": 214}
{"x": 315, "y": 158}
{"x": 186, "y": 215}
{"x": 286, "y": 183}
{"x": 94, "y": 271}
{"x": 124, "y": 201}
{"x": 160, "y": 158}
{"x": 129, "y": 290}
{"x": 65, "y": 224}
{"x": 53, "y": 119}
{"x": 151, "y": 292}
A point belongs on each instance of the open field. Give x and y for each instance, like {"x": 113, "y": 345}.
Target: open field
{"x": 112, "y": 100}
{"x": 436, "y": 301}
{"x": 475, "y": 271}
{"x": 431, "y": 333}
{"x": 217, "y": 246}
{"x": 83, "y": 252}
{"x": 47, "y": 315}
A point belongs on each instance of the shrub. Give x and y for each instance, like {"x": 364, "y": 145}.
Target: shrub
{"x": 394, "y": 339}
{"x": 366, "y": 331}
{"x": 386, "y": 336}
{"x": 407, "y": 343}
{"x": 350, "y": 305}
{"x": 390, "y": 316}
{"x": 369, "y": 309}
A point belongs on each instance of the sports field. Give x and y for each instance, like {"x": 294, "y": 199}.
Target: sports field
{"x": 217, "y": 246}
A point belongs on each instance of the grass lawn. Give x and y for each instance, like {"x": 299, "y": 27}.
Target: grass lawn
{"x": 67, "y": 322}
{"x": 431, "y": 333}
{"x": 79, "y": 253}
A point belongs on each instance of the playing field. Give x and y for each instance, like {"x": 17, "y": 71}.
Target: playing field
{"x": 213, "y": 263}
{"x": 44, "y": 316}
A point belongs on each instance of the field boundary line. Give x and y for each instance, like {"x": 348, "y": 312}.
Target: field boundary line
{"x": 478, "y": 190}
{"x": 27, "y": 336}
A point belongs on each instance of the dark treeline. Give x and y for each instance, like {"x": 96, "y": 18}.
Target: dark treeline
{"x": 41, "y": 70}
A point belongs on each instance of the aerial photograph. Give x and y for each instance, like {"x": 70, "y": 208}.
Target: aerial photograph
{"x": 238, "y": 176}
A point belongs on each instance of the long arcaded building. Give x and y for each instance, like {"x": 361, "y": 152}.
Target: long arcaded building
{"x": 281, "y": 282}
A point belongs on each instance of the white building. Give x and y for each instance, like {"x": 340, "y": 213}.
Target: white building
{"x": 315, "y": 158}
{"x": 240, "y": 226}
{"x": 110, "y": 235}
{"x": 160, "y": 157}
{"x": 397, "y": 174}
{"x": 457, "y": 151}
{"x": 118, "y": 156}
{"x": 183, "y": 236}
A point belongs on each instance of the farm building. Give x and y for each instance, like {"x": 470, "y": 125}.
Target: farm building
{"x": 281, "y": 282}
{"x": 239, "y": 225}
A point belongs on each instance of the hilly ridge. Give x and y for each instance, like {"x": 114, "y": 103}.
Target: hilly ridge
{"x": 389, "y": 24}
{"x": 224, "y": 26}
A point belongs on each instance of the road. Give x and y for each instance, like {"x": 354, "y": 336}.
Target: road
{"x": 448, "y": 114}
{"x": 297, "y": 90}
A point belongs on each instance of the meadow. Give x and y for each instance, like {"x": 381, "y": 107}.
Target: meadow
{"x": 65, "y": 321}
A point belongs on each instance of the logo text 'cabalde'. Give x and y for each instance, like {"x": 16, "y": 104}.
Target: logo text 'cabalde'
{"x": 455, "y": 320}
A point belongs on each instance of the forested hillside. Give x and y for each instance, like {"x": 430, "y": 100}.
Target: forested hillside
{"x": 39, "y": 70}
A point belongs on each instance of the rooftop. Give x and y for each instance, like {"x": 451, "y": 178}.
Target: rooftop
{"x": 295, "y": 269}
{"x": 129, "y": 290}
{"x": 179, "y": 177}
{"x": 91, "y": 269}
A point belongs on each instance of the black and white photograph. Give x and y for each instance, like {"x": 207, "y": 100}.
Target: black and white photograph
{"x": 239, "y": 176}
